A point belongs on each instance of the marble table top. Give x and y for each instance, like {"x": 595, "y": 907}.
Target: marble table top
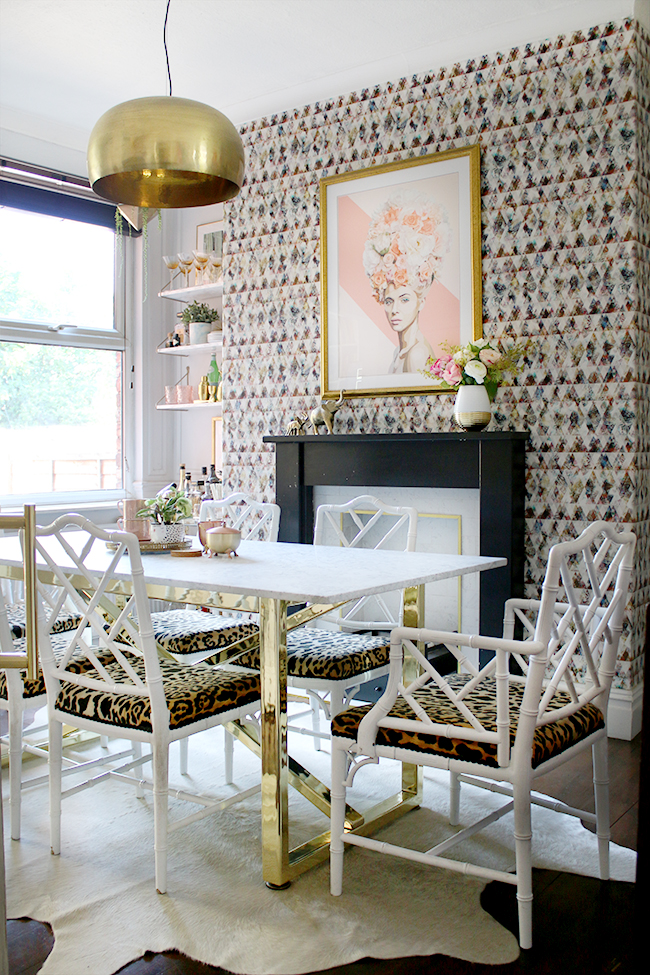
{"x": 282, "y": 570}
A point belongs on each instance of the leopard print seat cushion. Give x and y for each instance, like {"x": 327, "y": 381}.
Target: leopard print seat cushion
{"x": 189, "y": 631}
{"x": 16, "y": 619}
{"x": 548, "y": 740}
{"x": 36, "y": 687}
{"x": 328, "y": 654}
{"x": 192, "y": 693}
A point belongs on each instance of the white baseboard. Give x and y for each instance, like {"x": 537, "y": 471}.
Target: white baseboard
{"x": 624, "y": 713}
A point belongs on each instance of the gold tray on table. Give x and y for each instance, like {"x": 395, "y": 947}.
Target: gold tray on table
{"x": 159, "y": 546}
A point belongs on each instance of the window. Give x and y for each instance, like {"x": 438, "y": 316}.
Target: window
{"x": 56, "y": 271}
{"x": 61, "y": 348}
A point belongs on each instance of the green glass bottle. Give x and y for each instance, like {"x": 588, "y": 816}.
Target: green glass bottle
{"x": 214, "y": 376}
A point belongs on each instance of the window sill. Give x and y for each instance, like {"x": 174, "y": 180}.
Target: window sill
{"x": 101, "y": 511}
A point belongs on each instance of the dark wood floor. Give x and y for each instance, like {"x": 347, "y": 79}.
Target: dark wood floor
{"x": 582, "y": 926}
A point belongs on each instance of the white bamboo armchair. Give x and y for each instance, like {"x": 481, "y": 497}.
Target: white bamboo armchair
{"x": 492, "y": 723}
{"x": 329, "y": 664}
{"x": 125, "y": 691}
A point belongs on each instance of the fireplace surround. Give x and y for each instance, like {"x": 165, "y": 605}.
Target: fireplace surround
{"x": 493, "y": 463}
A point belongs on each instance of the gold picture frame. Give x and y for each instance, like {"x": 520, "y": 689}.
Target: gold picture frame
{"x": 209, "y": 237}
{"x": 400, "y": 271}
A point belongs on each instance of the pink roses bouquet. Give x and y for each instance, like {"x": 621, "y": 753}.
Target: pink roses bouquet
{"x": 479, "y": 363}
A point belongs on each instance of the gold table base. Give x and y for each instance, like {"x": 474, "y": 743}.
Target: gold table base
{"x": 281, "y": 864}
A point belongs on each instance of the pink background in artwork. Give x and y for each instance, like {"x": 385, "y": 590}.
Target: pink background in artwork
{"x": 440, "y": 315}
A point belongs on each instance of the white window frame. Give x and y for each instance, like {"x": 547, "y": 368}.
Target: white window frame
{"x": 93, "y": 502}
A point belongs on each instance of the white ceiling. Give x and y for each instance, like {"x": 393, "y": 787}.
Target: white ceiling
{"x": 63, "y": 63}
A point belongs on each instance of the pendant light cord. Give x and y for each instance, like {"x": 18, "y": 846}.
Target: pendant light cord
{"x": 169, "y": 74}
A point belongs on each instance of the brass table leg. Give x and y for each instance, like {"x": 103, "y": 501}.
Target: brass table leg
{"x": 280, "y": 864}
{"x": 413, "y": 616}
{"x": 275, "y": 770}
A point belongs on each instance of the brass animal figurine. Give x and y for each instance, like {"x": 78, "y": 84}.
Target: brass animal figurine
{"x": 297, "y": 425}
{"x": 322, "y": 415}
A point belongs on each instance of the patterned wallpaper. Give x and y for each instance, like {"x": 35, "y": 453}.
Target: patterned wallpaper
{"x": 565, "y": 186}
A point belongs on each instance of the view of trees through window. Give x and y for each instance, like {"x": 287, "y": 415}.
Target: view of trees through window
{"x": 59, "y": 418}
{"x": 60, "y": 405}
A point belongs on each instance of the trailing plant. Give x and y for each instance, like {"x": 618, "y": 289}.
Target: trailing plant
{"x": 119, "y": 235}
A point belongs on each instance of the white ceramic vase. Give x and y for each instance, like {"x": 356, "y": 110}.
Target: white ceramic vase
{"x": 166, "y": 534}
{"x": 199, "y": 332}
{"x": 472, "y": 410}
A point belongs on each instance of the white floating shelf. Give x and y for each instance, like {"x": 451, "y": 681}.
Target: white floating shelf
{"x": 189, "y": 294}
{"x": 215, "y": 407}
{"x": 184, "y": 350}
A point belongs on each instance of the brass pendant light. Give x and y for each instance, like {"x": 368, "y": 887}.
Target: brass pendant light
{"x": 164, "y": 152}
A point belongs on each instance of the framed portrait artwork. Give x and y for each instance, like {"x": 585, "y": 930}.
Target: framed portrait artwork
{"x": 400, "y": 271}
{"x": 209, "y": 238}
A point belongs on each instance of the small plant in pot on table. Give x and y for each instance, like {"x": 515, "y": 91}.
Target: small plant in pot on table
{"x": 166, "y": 515}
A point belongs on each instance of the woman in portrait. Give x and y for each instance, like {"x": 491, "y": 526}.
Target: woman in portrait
{"x": 408, "y": 239}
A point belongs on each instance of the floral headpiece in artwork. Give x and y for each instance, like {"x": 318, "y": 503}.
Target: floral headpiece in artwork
{"x": 408, "y": 239}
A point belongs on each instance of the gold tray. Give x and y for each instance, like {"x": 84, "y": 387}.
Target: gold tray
{"x": 158, "y": 546}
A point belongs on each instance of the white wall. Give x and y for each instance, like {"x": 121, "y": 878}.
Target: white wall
{"x": 190, "y": 432}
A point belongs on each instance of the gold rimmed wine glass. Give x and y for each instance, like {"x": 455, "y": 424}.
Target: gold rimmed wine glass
{"x": 186, "y": 261}
{"x": 171, "y": 262}
{"x": 214, "y": 265}
{"x": 201, "y": 261}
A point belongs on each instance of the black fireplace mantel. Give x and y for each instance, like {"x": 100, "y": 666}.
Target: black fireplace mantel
{"x": 493, "y": 463}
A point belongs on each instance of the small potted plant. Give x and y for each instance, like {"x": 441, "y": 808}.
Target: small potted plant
{"x": 166, "y": 514}
{"x": 199, "y": 319}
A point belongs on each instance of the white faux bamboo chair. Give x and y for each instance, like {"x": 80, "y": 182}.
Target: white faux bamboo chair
{"x": 129, "y": 692}
{"x": 16, "y": 617}
{"x": 192, "y": 635}
{"x": 491, "y": 723}
{"x": 18, "y": 690}
{"x": 258, "y": 521}
{"x": 330, "y": 664}
{"x": 19, "y": 693}
{"x": 20, "y": 661}
{"x": 25, "y": 659}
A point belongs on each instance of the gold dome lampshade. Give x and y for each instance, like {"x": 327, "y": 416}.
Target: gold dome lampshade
{"x": 165, "y": 152}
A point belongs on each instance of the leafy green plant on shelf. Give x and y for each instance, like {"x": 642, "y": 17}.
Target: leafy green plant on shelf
{"x": 198, "y": 312}
{"x": 167, "y": 510}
